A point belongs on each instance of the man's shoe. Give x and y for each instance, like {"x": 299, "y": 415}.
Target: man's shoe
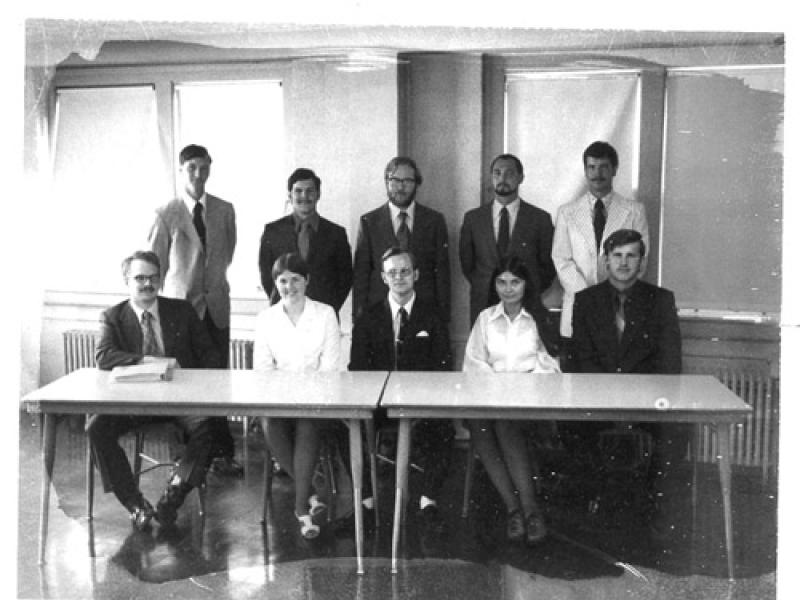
{"x": 515, "y": 526}
{"x": 171, "y": 500}
{"x": 227, "y": 466}
{"x": 141, "y": 513}
{"x": 535, "y": 528}
{"x": 431, "y": 530}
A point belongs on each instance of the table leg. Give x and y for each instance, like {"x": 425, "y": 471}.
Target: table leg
{"x": 401, "y": 485}
{"x": 48, "y": 458}
{"x": 357, "y": 468}
{"x": 369, "y": 424}
{"x": 723, "y": 441}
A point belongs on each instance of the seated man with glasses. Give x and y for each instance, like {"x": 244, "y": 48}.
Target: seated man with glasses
{"x": 143, "y": 328}
{"x": 403, "y": 222}
{"x": 403, "y": 332}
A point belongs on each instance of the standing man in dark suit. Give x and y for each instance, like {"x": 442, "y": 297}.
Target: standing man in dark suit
{"x": 506, "y": 226}
{"x": 321, "y": 243}
{"x": 194, "y": 237}
{"x": 405, "y": 223}
{"x": 141, "y": 329}
{"x": 625, "y": 325}
{"x": 404, "y": 332}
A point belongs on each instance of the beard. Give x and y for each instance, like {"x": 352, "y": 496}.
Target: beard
{"x": 400, "y": 199}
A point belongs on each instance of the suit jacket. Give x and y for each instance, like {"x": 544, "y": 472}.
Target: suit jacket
{"x": 531, "y": 240}
{"x": 575, "y": 248}
{"x": 184, "y": 335}
{"x": 189, "y": 272}
{"x": 425, "y": 345}
{"x": 429, "y": 245}
{"x": 329, "y": 260}
{"x": 651, "y": 341}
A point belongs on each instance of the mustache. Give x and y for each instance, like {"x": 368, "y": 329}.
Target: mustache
{"x": 148, "y": 288}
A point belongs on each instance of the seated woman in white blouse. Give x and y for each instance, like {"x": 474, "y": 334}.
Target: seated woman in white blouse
{"x": 296, "y": 334}
{"x": 508, "y": 337}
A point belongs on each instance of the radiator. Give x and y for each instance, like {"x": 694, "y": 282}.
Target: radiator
{"x": 753, "y": 441}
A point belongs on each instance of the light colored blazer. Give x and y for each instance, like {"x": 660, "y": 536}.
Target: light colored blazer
{"x": 574, "y": 247}
{"x": 189, "y": 272}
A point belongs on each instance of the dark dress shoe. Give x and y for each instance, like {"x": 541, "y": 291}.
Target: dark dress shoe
{"x": 536, "y": 530}
{"x": 141, "y": 513}
{"x": 226, "y": 466}
{"x": 171, "y": 500}
{"x": 431, "y": 530}
{"x": 515, "y": 526}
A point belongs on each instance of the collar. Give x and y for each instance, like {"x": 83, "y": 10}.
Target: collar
{"x": 394, "y": 306}
{"x": 153, "y": 310}
{"x": 394, "y": 211}
{"x": 607, "y": 199}
{"x": 313, "y": 220}
{"x": 497, "y": 312}
{"x": 614, "y": 292}
{"x": 190, "y": 202}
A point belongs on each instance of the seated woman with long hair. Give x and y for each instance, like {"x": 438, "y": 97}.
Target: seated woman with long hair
{"x": 512, "y": 335}
{"x": 296, "y": 334}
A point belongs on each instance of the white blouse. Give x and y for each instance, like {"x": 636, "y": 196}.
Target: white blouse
{"x": 500, "y": 344}
{"x": 313, "y": 344}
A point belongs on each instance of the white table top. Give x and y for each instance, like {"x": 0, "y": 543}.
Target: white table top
{"x": 215, "y": 392}
{"x": 569, "y": 396}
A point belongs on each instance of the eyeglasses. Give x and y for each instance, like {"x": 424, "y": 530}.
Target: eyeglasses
{"x": 397, "y": 182}
{"x": 146, "y": 278}
{"x": 394, "y": 273}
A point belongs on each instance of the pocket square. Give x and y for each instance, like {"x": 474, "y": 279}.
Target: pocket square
{"x": 422, "y": 333}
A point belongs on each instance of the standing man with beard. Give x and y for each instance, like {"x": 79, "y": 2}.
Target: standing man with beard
{"x": 405, "y": 223}
{"x": 506, "y": 226}
{"x": 583, "y": 224}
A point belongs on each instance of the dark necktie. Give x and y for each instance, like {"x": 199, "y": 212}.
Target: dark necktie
{"x": 401, "y": 323}
{"x": 149, "y": 343}
{"x": 599, "y": 222}
{"x": 403, "y": 232}
{"x": 619, "y": 314}
{"x": 199, "y": 225}
{"x": 503, "y": 233}
{"x": 304, "y": 239}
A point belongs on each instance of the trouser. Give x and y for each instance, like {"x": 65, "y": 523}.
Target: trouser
{"x": 221, "y": 338}
{"x": 104, "y": 432}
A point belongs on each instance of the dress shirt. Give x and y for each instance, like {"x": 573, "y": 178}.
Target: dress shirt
{"x": 500, "y": 344}
{"x": 312, "y": 220}
{"x": 513, "y": 209}
{"x": 155, "y": 320}
{"x": 313, "y": 344}
{"x": 394, "y": 211}
{"x": 607, "y": 199}
{"x": 395, "y": 307}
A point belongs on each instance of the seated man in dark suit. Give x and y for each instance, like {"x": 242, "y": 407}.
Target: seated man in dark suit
{"x": 140, "y": 329}
{"x": 404, "y": 332}
{"x": 625, "y": 325}
{"x": 322, "y": 244}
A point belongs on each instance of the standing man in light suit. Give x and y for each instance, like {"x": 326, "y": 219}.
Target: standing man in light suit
{"x": 194, "y": 237}
{"x": 583, "y": 224}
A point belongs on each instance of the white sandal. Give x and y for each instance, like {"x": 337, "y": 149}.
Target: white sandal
{"x": 316, "y": 506}
{"x": 308, "y": 529}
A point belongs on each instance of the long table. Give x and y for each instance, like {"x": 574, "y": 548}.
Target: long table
{"x": 351, "y": 397}
{"x": 561, "y": 397}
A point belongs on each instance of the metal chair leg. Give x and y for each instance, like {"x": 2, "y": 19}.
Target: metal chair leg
{"x": 267, "y": 474}
{"x": 470, "y": 471}
{"x": 138, "y": 448}
{"x": 89, "y": 482}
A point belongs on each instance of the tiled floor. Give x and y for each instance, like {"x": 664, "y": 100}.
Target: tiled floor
{"x": 610, "y": 554}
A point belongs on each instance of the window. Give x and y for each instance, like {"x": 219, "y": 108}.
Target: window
{"x": 723, "y": 188}
{"x": 241, "y": 125}
{"x": 107, "y": 180}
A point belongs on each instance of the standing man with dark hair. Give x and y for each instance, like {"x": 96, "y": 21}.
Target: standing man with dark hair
{"x": 141, "y": 329}
{"x": 404, "y": 332}
{"x": 194, "y": 237}
{"x": 508, "y": 225}
{"x": 322, "y": 244}
{"x": 625, "y": 325}
{"x": 405, "y": 223}
{"x": 583, "y": 224}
